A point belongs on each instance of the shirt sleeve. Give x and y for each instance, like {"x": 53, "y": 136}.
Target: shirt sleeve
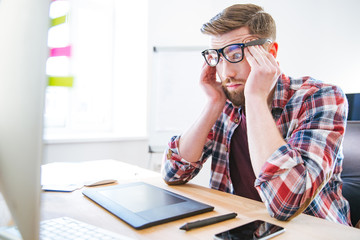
{"x": 175, "y": 169}
{"x": 297, "y": 171}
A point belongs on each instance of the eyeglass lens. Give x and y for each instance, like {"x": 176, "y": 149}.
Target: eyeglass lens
{"x": 234, "y": 52}
{"x": 211, "y": 57}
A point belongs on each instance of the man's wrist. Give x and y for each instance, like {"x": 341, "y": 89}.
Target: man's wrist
{"x": 215, "y": 106}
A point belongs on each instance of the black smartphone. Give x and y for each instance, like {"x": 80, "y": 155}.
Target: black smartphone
{"x": 257, "y": 229}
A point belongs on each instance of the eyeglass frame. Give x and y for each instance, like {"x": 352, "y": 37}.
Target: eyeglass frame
{"x": 242, "y": 46}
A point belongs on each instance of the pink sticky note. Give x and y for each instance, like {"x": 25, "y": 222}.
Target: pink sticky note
{"x": 63, "y": 51}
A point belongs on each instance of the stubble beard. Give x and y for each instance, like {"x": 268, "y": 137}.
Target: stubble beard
{"x": 237, "y": 97}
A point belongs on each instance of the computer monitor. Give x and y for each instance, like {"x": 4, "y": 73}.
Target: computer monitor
{"x": 23, "y": 51}
{"x": 354, "y": 106}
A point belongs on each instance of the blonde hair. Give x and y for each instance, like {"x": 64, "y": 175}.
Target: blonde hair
{"x": 236, "y": 16}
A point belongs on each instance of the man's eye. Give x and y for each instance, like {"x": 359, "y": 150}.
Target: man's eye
{"x": 237, "y": 56}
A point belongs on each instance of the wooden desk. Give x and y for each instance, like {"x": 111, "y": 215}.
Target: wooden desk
{"x": 75, "y": 205}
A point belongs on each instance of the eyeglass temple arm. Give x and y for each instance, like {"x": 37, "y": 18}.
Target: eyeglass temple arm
{"x": 257, "y": 42}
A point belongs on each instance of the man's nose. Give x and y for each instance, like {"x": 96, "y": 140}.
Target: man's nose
{"x": 229, "y": 70}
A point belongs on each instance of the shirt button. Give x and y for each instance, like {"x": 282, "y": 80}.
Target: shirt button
{"x": 236, "y": 120}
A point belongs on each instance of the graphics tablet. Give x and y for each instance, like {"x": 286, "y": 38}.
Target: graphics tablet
{"x": 142, "y": 205}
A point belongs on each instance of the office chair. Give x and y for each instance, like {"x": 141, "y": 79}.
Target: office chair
{"x": 351, "y": 170}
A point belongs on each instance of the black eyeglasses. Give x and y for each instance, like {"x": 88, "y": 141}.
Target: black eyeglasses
{"x": 233, "y": 53}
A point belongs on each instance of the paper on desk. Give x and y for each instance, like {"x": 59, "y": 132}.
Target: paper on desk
{"x": 62, "y": 188}
{"x": 69, "y": 176}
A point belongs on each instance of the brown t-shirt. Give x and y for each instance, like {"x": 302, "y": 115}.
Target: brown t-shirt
{"x": 241, "y": 171}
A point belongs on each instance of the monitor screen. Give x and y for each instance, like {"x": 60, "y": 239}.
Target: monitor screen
{"x": 354, "y": 106}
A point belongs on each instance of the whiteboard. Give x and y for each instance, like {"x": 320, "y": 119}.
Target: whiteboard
{"x": 176, "y": 97}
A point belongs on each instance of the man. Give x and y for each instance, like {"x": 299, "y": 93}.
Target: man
{"x": 272, "y": 138}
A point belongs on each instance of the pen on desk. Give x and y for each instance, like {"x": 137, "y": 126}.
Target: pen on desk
{"x": 207, "y": 221}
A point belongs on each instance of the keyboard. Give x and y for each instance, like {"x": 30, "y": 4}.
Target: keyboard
{"x": 66, "y": 228}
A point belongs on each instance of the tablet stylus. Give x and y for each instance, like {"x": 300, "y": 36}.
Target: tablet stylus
{"x": 207, "y": 221}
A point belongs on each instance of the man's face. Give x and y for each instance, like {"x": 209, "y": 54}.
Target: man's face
{"x": 233, "y": 76}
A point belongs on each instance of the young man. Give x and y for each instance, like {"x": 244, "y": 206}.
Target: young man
{"x": 272, "y": 138}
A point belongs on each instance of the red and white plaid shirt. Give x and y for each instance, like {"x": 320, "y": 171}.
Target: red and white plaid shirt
{"x": 302, "y": 175}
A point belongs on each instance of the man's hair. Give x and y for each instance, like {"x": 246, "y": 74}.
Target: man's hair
{"x": 236, "y": 16}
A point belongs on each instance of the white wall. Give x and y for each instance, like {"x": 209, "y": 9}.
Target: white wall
{"x": 131, "y": 151}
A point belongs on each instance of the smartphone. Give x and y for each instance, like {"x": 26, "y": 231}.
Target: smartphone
{"x": 257, "y": 229}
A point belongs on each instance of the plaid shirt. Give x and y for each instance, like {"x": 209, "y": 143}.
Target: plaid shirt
{"x": 302, "y": 175}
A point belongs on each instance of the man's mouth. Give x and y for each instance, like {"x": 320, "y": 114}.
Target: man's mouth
{"x": 233, "y": 85}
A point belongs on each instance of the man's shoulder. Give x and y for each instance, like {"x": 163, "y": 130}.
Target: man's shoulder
{"x": 308, "y": 86}
{"x": 294, "y": 92}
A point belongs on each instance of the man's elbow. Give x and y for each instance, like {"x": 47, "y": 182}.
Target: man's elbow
{"x": 283, "y": 214}
{"x": 176, "y": 182}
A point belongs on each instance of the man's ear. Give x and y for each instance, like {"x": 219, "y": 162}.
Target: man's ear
{"x": 273, "y": 48}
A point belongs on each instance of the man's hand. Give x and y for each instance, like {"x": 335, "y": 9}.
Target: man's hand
{"x": 211, "y": 87}
{"x": 263, "y": 75}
